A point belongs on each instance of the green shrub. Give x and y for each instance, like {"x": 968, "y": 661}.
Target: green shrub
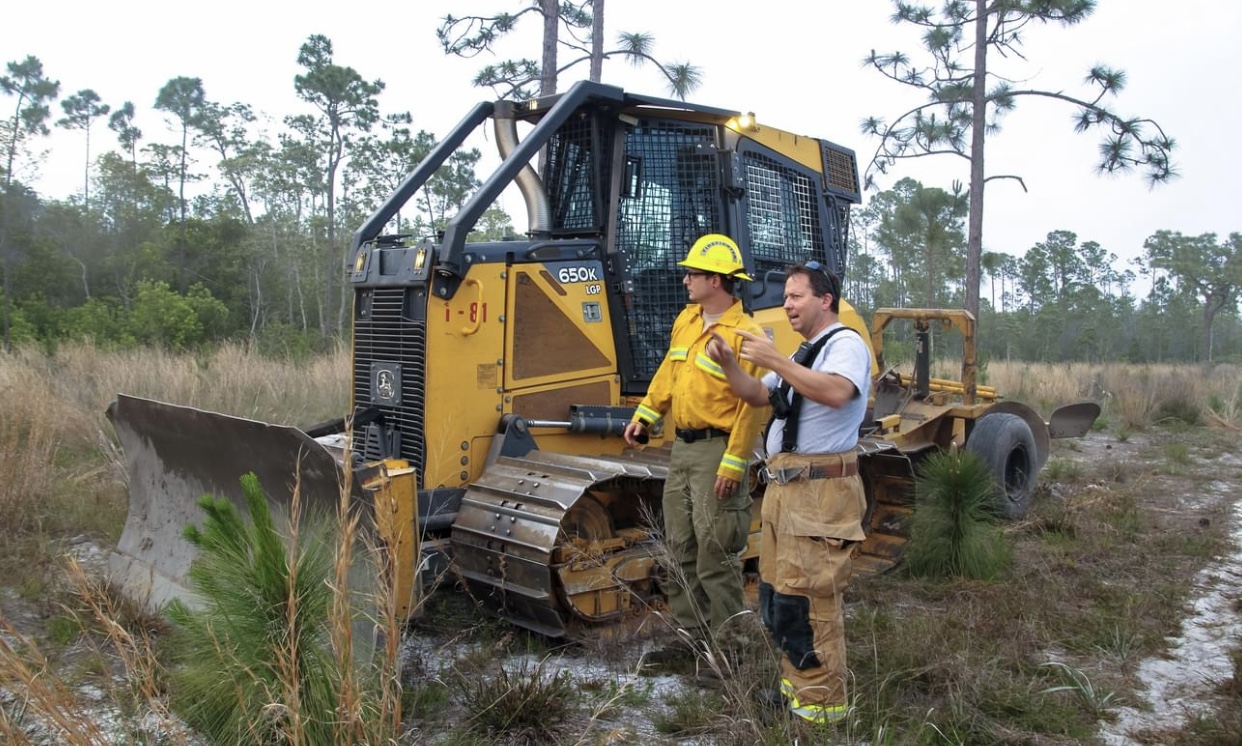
{"x": 280, "y": 340}
{"x": 21, "y": 330}
{"x": 162, "y": 317}
{"x": 39, "y": 318}
{"x": 212, "y": 314}
{"x": 102, "y": 321}
{"x": 255, "y": 664}
{"x": 952, "y": 530}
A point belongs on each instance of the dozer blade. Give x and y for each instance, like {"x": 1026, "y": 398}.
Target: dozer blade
{"x": 175, "y": 455}
{"x": 1073, "y": 420}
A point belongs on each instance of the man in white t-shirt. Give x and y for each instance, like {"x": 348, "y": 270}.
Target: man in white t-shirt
{"x": 814, "y": 502}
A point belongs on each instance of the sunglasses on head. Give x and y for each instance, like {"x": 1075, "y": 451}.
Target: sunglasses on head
{"x": 834, "y": 286}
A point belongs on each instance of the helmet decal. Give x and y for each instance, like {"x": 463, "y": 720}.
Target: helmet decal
{"x": 726, "y": 245}
{"x": 716, "y": 253}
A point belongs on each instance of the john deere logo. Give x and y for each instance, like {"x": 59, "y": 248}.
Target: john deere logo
{"x": 386, "y": 383}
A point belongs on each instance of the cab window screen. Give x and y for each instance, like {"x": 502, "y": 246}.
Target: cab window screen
{"x": 783, "y": 215}
{"x": 672, "y": 196}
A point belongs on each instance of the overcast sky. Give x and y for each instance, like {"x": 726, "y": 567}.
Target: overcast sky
{"x": 795, "y": 63}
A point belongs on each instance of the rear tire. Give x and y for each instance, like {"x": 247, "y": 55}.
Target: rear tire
{"x": 1006, "y": 443}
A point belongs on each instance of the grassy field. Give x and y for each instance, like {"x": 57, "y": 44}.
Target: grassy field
{"x": 1104, "y": 567}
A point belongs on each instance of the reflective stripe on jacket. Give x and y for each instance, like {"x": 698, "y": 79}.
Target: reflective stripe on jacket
{"x": 692, "y": 388}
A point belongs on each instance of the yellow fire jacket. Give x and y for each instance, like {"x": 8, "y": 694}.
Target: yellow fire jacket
{"x": 693, "y": 387}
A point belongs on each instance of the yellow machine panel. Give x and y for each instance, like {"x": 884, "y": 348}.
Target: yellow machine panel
{"x": 560, "y": 328}
{"x": 463, "y": 334}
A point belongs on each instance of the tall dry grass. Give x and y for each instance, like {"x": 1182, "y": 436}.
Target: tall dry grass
{"x": 29, "y": 442}
{"x": 1132, "y": 397}
{"x": 232, "y": 378}
{"x": 58, "y": 455}
{"x": 62, "y": 475}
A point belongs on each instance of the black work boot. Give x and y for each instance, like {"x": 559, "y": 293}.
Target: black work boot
{"x": 773, "y": 706}
{"x": 772, "y": 699}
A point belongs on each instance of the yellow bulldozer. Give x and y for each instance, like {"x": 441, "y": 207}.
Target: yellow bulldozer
{"x": 491, "y": 380}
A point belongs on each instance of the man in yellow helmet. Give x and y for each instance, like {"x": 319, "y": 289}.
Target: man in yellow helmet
{"x": 706, "y": 497}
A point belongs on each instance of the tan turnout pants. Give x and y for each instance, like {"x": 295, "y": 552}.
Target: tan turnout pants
{"x": 809, "y": 529}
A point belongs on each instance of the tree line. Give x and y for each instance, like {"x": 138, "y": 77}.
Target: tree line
{"x": 1065, "y": 298}
{"x": 257, "y": 250}
{"x": 264, "y": 236}
{"x": 255, "y": 222}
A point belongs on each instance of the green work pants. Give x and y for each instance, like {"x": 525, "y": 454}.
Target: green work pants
{"x": 704, "y": 536}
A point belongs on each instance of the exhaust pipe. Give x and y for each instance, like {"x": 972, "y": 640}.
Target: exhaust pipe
{"x": 538, "y": 209}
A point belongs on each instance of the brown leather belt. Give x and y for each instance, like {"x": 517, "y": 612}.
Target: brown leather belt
{"x": 794, "y": 473}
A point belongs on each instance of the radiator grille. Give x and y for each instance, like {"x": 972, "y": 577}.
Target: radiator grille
{"x": 386, "y": 334}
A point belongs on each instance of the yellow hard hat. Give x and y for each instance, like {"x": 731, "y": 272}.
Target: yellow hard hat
{"x": 716, "y": 252}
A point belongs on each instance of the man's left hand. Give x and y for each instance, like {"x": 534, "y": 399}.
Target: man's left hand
{"x": 725, "y": 487}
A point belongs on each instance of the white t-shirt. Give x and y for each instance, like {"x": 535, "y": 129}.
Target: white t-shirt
{"x": 825, "y": 429}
